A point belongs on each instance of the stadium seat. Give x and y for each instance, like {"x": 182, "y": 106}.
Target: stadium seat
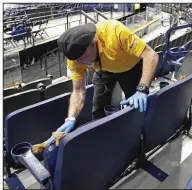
{"x": 38, "y": 121}
{"x": 53, "y": 90}
{"x": 78, "y": 164}
{"x": 189, "y": 184}
{"x": 162, "y": 121}
{"x": 166, "y": 66}
{"x": 116, "y": 152}
{"x": 33, "y": 84}
{"x": 170, "y": 52}
{"x": 119, "y": 139}
{"x": 20, "y": 100}
{"x": 106, "y": 7}
{"x": 10, "y": 91}
{"x": 187, "y": 46}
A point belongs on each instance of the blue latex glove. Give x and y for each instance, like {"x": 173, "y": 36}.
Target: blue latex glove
{"x": 66, "y": 128}
{"x": 138, "y": 99}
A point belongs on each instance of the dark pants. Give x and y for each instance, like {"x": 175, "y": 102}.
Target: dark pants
{"x": 102, "y": 97}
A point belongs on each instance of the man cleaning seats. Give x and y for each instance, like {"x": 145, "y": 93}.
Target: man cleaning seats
{"x": 115, "y": 54}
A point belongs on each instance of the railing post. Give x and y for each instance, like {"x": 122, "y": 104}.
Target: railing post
{"x": 124, "y": 10}
{"x": 46, "y": 72}
{"x": 111, "y": 11}
{"x": 99, "y": 14}
{"x": 65, "y": 27}
{"x": 68, "y": 16}
{"x": 59, "y": 63}
{"x": 51, "y": 12}
{"x": 80, "y": 18}
{"x": 67, "y": 21}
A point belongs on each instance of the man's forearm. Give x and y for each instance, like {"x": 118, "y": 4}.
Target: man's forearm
{"x": 76, "y": 103}
{"x": 150, "y": 64}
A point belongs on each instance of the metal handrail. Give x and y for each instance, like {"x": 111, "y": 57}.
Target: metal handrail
{"x": 81, "y": 12}
{"x": 87, "y": 16}
{"x": 100, "y": 14}
{"x": 45, "y": 61}
{"x": 77, "y": 11}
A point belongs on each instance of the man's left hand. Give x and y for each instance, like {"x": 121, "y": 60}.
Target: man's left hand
{"x": 139, "y": 99}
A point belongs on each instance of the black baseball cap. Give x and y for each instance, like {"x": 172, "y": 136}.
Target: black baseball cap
{"x": 75, "y": 41}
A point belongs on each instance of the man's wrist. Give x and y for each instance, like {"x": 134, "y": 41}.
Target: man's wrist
{"x": 142, "y": 88}
{"x": 70, "y": 119}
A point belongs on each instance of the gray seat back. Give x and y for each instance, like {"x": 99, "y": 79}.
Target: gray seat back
{"x": 33, "y": 84}
{"x": 20, "y": 100}
{"x": 53, "y": 90}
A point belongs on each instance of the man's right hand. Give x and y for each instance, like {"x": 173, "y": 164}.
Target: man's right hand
{"x": 67, "y": 127}
{"x": 62, "y": 131}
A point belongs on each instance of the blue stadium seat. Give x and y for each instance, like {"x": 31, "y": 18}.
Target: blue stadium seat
{"x": 172, "y": 54}
{"x": 88, "y": 7}
{"x": 166, "y": 67}
{"x": 95, "y": 154}
{"x": 189, "y": 184}
{"x": 107, "y": 7}
{"x": 38, "y": 121}
{"x": 105, "y": 148}
{"x": 187, "y": 46}
{"x": 162, "y": 121}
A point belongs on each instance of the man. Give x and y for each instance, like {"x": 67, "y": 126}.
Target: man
{"x": 116, "y": 54}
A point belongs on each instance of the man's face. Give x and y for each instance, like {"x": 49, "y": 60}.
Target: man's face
{"x": 89, "y": 55}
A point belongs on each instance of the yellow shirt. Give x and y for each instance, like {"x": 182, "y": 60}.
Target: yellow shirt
{"x": 119, "y": 49}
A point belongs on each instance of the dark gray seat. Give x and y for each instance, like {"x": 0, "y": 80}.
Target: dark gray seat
{"x": 53, "y": 90}
{"x": 20, "y": 100}
{"x": 33, "y": 84}
{"x": 10, "y": 91}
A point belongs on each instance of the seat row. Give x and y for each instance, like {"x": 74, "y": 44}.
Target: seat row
{"x": 97, "y": 153}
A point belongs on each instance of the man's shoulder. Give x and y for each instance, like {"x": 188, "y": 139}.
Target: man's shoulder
{"x": 108, "y": 27}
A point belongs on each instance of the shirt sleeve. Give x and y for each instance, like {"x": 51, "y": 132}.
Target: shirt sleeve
{"x": 130, "y": 42}
{"x": 77, "y": 72}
